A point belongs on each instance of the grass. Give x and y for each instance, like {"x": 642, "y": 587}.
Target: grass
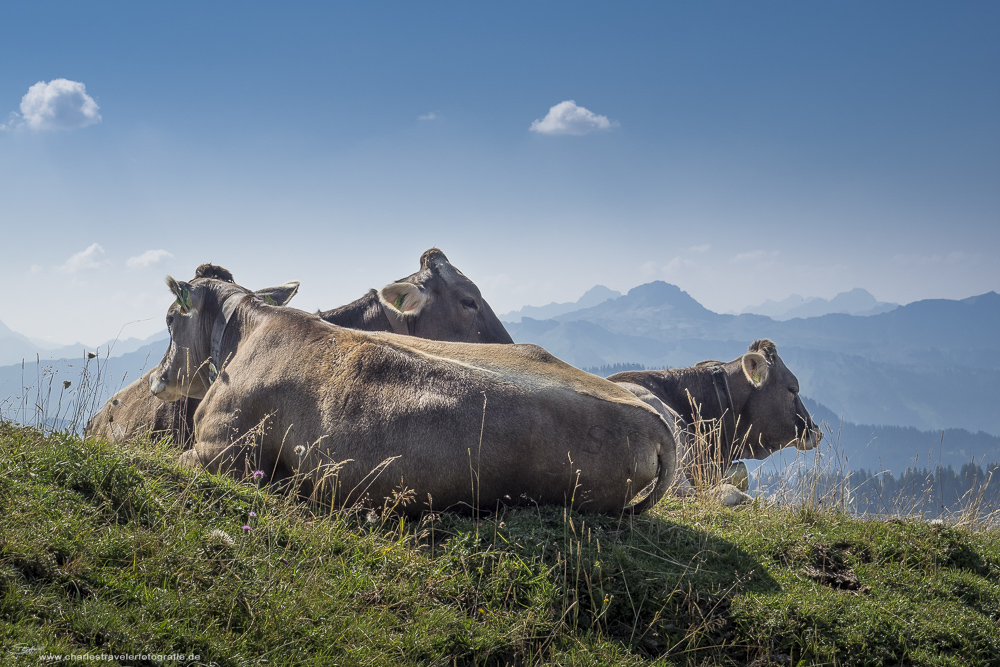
{"x": 108, "y": 550}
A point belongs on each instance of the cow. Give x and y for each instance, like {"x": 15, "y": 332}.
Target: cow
{"x": 745, "y": 409}
{"x": 133, "y": 411}
{"x": 358, "y": 418}
{"x": 436, "y": 302}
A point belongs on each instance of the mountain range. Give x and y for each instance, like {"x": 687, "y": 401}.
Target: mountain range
{"x": 931, "y": 364}
{"x": 15, "y": 347}
{"x": 855, "y": 302}
{"x": 592, "y": 297}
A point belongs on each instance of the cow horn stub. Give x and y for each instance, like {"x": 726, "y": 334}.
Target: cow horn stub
{"x": 431, "y": 258}
{"x": 213, "y": 271}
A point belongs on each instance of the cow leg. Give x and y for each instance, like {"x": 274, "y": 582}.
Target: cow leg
{"x": 219, "y": 458}
{"x": 189, "y": 459}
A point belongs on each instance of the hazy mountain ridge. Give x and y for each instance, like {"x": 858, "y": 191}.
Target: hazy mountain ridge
{"x": 857, "y": 301}
{"x": 592, "y": 297}
{"x": 931, "y": 364}
{"x": 15, "y": 347}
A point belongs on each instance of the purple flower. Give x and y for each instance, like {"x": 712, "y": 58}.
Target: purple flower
{"x": 247, "y": 528}
{"x": 252, "y": 513}
{"x": 258, "y": 474}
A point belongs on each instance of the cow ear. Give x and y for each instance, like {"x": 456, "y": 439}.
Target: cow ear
{"x": 182, "y": 291}
{"x": 755, "y": 367}
{"x": 280, "y": 295}
{"x": 403, "y": 298}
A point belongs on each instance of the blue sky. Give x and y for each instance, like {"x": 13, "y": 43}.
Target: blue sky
{"x": 742, "y": 151}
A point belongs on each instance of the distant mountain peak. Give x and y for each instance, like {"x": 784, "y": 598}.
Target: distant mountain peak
{"x": 659, "y": 293}
{"x": 592, "y": 297}
{"x": 857, "y": 301}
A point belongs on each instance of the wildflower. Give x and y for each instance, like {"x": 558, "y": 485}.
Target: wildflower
{"x": 299, "y": 450}
{"x": 218, "y": 536}
{"x": 258, "y": 474}
{"x": 252, "y": 513}
{"x": 247, "y": 528}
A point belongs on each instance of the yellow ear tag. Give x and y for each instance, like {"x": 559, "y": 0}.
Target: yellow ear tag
{"x": 269, "y": 301}
{"x": 758, "y": 376}
{"x": 399, "y": 302}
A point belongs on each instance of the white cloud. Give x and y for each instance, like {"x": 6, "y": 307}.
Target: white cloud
{"x": 756, "y": 256}
{"x": 428, "y": 116}
{"x": 147, "y": 259}
{"x": 60, "y": 104}
{"x": 678, "y": 267}
{"x": 91, "y": 258}
{"x": 700, "y": 249}
{"x": 568, "y": 118}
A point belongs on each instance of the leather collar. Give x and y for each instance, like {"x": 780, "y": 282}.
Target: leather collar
{"x": 727, "y": 415}
{"x": 219, "y": 330}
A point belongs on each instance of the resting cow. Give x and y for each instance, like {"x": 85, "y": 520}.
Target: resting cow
{"x": 134, "y": 412}
{"x": 745, "y": 409}
{"x": 364, "y": 415}
{"x": 436, "y": 302}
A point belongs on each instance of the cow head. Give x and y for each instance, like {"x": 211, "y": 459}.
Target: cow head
{"x": 440, "y": 303}
{"x": 772, "y": 416}
{"x": 184, "y": 370}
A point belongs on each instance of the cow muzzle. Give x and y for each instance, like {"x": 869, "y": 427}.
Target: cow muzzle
{"x": 810, "y": 440}
{"x": 157, "y": 385}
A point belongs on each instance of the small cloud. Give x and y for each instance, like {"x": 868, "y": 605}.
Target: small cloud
{"x": 12, "y": 121}
{"x": 568, "y": 118}
{"x": 147, "y": 259}
{"x": 428, "y": 116}
{"x": 756, "y": 256}
{"x": 91, "y": 258}
{"x": 649, "y": 269}
{"x": 60, "y": 104}
{"x": 678, "y": 266}
{"x": 700, "y": 249}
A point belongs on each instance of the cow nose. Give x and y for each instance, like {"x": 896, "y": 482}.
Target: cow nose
{"x": 810, "y": 439}
{"x": 156, "y": 384}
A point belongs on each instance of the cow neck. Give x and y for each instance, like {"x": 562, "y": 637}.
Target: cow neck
{"x": 727, "y": 415}
{"x": 219, "y": 330}
{"x": 402, "y": 325}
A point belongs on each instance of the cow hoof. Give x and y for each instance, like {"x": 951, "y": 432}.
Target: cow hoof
{"x": 738, "y": 476}
{"x": 729, "y": 496}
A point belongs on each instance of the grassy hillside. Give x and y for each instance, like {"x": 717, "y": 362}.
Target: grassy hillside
{"x": 109, "y": 551}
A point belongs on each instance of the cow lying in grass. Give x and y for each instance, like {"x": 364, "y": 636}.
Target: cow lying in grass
{"x": 745, "y": 409}
{"x": 359, "y": 417}
{"x": 436, "y": 302}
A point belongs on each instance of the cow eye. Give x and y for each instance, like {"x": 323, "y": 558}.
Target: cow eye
{"x": 470, "y": 304}
{"x": 170, "y": 320}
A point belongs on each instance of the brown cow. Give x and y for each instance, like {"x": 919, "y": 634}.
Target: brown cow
{"x": 436, "y": 302}
{"x": 748, "y": 409}
{"x": 363, "y": 415}
{"x": 133, "y": 411}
